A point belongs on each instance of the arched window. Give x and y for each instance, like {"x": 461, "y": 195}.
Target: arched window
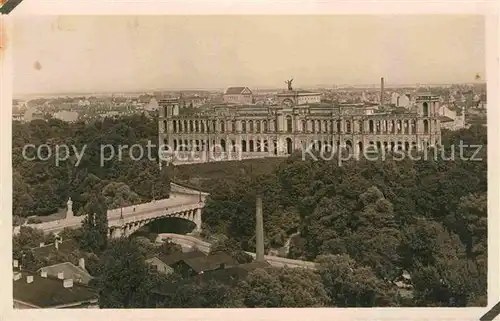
{"x": 265, "y": 126}
{"x": 243, "y": 126}
{"x": 233, "y": 126}
{"x": 214, "y": 125}
{"x": 196, "y": 126}
{"x": 426, "y": 126}
{"x": 425, "y": 109}
{"x": 185, "y": 126}
{"x": 304, "y": 126}
{"x": 202, "y": 126}
{"x": 259, "y": 129}
{"x": 191, "y": 129}
{"x": 289, "y": 124}
{"x": 222, "y": 126}
{"x": 361, "y": 125}
{"x": 339, "y": 126}
{"x": 348, "y": 126}
{"x": 165, "y": 126}
{"x": 370, "y": 125}
{"x": 250, "y": 125}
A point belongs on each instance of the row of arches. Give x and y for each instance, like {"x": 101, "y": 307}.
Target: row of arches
{"x": 221, "y": 126}
{"x": 251, "y": 145}
{"x": 304, "y": 126}
{"x": 263, "y": 145}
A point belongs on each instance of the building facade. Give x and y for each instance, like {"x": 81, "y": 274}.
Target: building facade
{"x": 238, "y": 96}
{"x": 226, "y": 133}
{"x": 298, "y": 98}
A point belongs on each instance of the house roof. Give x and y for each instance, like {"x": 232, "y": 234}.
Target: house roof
{"x": 49, "y": 292}
{"x": 67, "y": 247}
{"x": 70, "y": 271}
{"x": 210, "y": 262}
{"x": 227, "y": 275}
{"x": 180, "y": 256}
{"x": 235, "y": 90}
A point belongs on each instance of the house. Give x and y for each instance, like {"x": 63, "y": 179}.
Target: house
{"x": 166, "y": 263}
{"x": 191, "y": 263}
{"x": 229, "y": 276}
{"x": 199, "y": 265}
{"x": 41, "y": 291}
{"x": 238, "y": 95}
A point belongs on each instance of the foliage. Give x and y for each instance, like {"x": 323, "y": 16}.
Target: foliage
{"x": 42, "y": 187}
{"x": 123, "y": 281}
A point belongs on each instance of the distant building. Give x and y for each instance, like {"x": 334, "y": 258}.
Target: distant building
{"x": 399, "y": 100}
{"x": 238, "y": 95}
{"x": 192, "y": 102}
{"x": 298, "y": 97}
{"x": 67, "y": 116}
{"x": 152, "y": 105}
{"x": 451, "y": 119}
{"x": 260, "y": 131}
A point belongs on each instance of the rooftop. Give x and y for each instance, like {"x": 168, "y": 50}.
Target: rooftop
{"x": 67, "y": 247}
{"x": 49, "y": 292}
{"x": 70, "y": 271}
{"x": 234, "y": 90}
{"x": 180, "y": 256}
{"x": 210, "y": 262}
{"x": 227, "y": 275}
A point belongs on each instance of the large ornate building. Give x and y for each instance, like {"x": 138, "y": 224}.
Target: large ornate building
{"x": 236, "y": 132}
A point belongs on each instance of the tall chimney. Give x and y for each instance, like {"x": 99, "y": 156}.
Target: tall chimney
{"x": 382, "y": 91}
{"x": 259, "y": 231}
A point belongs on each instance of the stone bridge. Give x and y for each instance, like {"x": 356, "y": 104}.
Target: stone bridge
{"x": 130, "y": 224}
{"x": 184, "y": 202}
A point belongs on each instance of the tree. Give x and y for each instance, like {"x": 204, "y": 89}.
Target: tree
{"x": 232, "y": 248}
{"x": 281, "y": 288}
{"x": 351, "y": 285}
{"x": 95, "y": 225}
{"x": 123, "y": 281}
{"x": 119, "y": 195}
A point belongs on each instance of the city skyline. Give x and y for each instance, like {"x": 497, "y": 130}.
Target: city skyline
{"x": 124, "y": 54}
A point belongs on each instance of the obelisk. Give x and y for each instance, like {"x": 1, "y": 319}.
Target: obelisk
{"x": 259, "y": 231}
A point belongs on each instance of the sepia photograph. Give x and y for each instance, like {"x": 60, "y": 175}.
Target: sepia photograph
{"x": 249, "y": 161}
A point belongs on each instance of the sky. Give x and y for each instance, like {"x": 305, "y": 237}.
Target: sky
{"x": 125, "y": 53}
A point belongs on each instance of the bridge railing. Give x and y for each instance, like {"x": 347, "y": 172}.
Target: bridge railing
{"x": 173, "y": 210}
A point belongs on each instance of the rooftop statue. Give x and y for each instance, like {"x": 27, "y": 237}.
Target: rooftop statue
{"x": 289, "y": 84}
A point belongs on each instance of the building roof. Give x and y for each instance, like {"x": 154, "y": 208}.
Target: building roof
{"x": 235, "y": 90}
{"x": 70, "y": 271}
{"x": 66, "y": 247}
{"x": 180, "y": 256}
{"x": 210, "y": 262}
{"x": 49, "y": 292}
{"x": 226, "y": 275}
